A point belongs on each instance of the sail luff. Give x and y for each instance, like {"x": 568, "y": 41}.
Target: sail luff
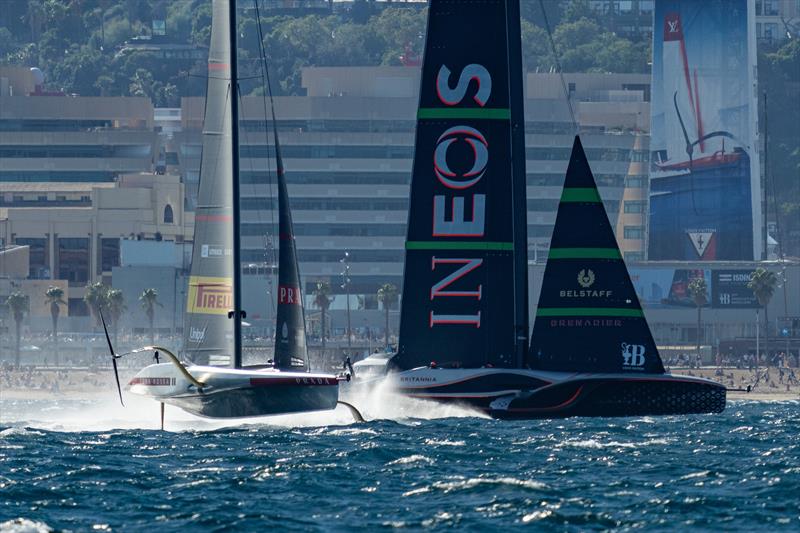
{"x": 589, "y": 318}
{"x": 291, "y": 352}
{"x": 519, "y": 181}
{"x": 237, "y": 313}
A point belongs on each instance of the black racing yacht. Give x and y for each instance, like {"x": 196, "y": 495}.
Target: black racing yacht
{"x": 464, "y": 319}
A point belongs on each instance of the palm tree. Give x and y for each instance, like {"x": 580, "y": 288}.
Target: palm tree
{"x": 698, "y": 290}
{"x": 149, "y": 301}
{"x": 55, "y": 298}
{"x": 18, "y": 305}
{"x": 95, "y": 298}
{"x": 115, "y": 301}
{"x": 387, "y": 294}
{"x": 322, "y": 291}
{"x": 762, "y": 283}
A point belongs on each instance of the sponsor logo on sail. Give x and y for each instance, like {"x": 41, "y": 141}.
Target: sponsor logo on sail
{"x": 211, "y": 251}
{"x": 289, "y": 295}
{"x": 633, "y": 357}
{"x": 213, "y": 296}
{"x": 586, "y": 278}
{"x": 459, "y": 210}
{"x": 585, "y": 323}
{"x": 197, "y": 334}
{"x": 480, "y": 150}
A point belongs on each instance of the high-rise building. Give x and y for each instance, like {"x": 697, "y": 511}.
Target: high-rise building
{"x": 52, "y": 137}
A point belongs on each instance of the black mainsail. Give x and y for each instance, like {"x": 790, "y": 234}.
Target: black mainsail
{"x": 589, "y": 318}
{"x": 291, "y": 352}
{"x": 208, "y": 332}
{"x": 461, "y": 306}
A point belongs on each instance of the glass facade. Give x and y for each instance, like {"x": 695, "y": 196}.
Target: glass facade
{"x": 39, "y": 256}
{"x": 73, "y": 259}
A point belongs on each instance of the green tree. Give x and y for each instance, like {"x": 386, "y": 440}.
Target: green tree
{"x": 778, "y": 70}
{"x": 387, "y": 295}
{"x": 149, "y": 300}
{"x": 762, "y": 283}
{"x": 54, "y": 297}
{"x": 322, "y": 291}
{"x": 698, "y": 290}
{"x": 115, "y": 301}
{"x": 18, "y": 304}
{"x": 96, "y": 299}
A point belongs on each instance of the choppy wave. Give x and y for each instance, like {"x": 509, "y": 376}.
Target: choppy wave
{"x": 81, "y": 466}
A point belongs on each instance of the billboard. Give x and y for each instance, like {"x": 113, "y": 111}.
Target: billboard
{"x": 704, "y": 168}
{"x": 665, "y": 288}
{"x": 729, "y": 290}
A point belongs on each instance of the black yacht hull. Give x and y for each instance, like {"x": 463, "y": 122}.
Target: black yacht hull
{"x": 529, "y": 394}
{"x": 616, "y": 397}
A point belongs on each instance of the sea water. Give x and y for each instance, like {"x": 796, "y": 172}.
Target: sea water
{"x": 81, "y": 465}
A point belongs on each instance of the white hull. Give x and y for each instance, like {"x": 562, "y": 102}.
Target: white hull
{"x": 236, "y": 393}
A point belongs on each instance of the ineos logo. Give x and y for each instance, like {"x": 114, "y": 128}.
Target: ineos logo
{"x": 471, "y": 72}
{"x": 480, "y": 150}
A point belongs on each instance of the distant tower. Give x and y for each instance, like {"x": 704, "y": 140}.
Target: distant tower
{"x": 634, "y": 196}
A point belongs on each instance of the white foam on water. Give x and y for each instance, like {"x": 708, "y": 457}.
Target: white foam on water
{"x": 383, "y": 402}
{"x": 103, "y": 412}
{"x": 24, "y": 525}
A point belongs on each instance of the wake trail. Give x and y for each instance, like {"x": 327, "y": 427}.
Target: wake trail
{"x": 78, "y": 412}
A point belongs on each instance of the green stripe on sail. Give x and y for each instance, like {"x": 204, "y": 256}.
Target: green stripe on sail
{"x": 451, "y": 245}
{"x": 467, "y": 113}
{"x": 590, "y": 311}
{"x": 577, "y": 194}
{"x": 584, "y": 253}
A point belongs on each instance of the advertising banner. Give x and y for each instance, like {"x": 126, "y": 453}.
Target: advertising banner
{"x": 729, "y": 290}
{"x": 704, "y": 168}
{"x": 662, "y": 288}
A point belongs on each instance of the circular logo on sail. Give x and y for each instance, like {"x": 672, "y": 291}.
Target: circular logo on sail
{"x": 284, "y": 331}
{"x": 586, "y": 278}
{"x": 480, "y": 151}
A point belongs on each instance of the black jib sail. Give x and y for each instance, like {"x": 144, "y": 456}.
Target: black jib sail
{"x": 465, "y": 286}
{"x": 589, "y": 318}
{"x": 290, "y": 332}
{"x": 208, "y": 332}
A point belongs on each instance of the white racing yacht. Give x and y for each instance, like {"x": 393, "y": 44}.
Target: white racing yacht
{"x": 195, "y": 381}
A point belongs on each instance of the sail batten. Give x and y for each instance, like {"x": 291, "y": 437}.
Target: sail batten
{"x": 464, "y": 279}
{"x": 589, "y": 318}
